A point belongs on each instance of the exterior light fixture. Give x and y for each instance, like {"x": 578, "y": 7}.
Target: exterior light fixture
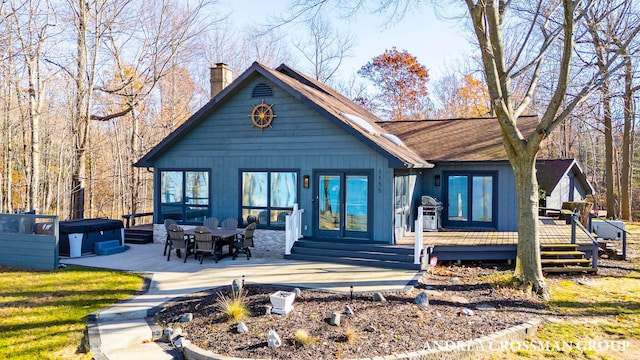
{"x": 305, "y": 181}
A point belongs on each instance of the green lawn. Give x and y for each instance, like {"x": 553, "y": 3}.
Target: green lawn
{"x": 593, "y": 317}
{"x": 43, "y": 314}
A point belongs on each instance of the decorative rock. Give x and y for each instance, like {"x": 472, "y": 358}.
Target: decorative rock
{"x": 181, "y": 342}
{"x": 167, "y": 334}
{"x": 273, "y": 339}
{"x": 348, "y": 310}
{"x": 456, "y": 280}
{"x": 267, "y": 310}
{"x": 378, "y": 297}
{"x": 438, "y": 314}
{"x": 335, "y": 319}
{"x": 466, "y": 312}
{"x": 242, "y": 328}
{"x": 236, "y": 287}
{"x": 297, "y": 291}
{"x": 186, "y": 317}
{"x": 422, "y": 299}
{"x": 371, "y": 328}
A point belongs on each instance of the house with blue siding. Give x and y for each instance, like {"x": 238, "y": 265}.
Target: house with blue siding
{"x": 273, "y": 138}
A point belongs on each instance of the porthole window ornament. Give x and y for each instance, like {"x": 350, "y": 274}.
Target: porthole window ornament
{"x": 262, "y": 115}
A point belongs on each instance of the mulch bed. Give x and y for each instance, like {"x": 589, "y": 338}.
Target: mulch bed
{"x": 375, "y": 329}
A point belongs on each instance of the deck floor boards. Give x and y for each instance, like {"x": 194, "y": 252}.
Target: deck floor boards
{"x": 552, "y": 231}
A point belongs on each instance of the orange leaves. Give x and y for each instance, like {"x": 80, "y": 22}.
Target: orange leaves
{"x": 401, "y": 79}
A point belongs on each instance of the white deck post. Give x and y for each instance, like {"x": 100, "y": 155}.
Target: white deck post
{"x": 418, "y": 246}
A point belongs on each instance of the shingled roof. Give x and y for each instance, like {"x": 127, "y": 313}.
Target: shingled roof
{"x": 328, "y": 102}
{"x": 551, "y": 171}
{"x": 469, "y": 139}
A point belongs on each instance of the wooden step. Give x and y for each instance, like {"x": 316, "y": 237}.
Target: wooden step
{"x": 557, "y": 254}
{"x": 559, "y": 247}
{"x": 557, "y": 262}
{"x": 571, "y": 269}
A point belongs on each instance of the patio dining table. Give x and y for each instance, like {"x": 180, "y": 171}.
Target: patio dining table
{"x": 221, "y": 238}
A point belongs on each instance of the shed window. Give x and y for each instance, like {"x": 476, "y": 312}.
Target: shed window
{"x": 262, "y": 90}
{"x": 268, "y": 197}
{"x": 184, "y": 195}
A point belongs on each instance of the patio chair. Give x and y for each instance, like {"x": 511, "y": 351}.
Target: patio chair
{"x": 176, "y": 237}
{"x": 244, "y": 242}
{"x": 204, "y": 242}
{"x": 167, "y": 222}
{"x": 210, "y": 223}
{"x": 229, "y": 224}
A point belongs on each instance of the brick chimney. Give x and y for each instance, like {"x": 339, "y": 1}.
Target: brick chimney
{"x": 220, "y": 78}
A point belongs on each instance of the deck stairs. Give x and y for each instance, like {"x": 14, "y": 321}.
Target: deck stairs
{"x": 609, "y": 251}
{"x": 564, "y": 258}
{"x": 138, "y": 235}
{"x": 353, "y": 253}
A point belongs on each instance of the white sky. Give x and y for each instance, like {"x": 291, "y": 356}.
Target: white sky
{"x": 435, "y": 42}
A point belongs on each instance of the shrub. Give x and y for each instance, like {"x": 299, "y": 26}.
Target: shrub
{"x": 303, "y": 338}
{"x": 233, "y": 308}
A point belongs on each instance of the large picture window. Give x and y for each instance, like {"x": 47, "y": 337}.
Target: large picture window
{"x": 184, "y": 195}
{"x": 268, "y": 197}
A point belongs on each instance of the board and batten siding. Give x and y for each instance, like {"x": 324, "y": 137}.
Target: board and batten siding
{"x": 24, "y": 248}
{"x": 562, "y": 190}
{"x": 507, "y": 218}
{"x": 300, "y": 139}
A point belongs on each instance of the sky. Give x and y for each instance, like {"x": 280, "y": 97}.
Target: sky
{"x": 437, "y": 43}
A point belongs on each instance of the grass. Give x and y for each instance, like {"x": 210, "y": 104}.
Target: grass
{"x": 302, "y": 338}
{"x": 43, "y": 314}
{"x": 603, "y": 310}
{"x": 233, "y": 308}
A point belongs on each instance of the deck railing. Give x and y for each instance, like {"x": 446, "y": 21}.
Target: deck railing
{"x": 576, "y": 224}
{"x": 293, "y": 228}
{"x": 130, "y": 219}
{"x": 418, "y": 246}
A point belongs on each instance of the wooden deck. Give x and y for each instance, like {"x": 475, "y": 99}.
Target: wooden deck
{"x": 479, "y": 244}
{"x": 552, "y": 231}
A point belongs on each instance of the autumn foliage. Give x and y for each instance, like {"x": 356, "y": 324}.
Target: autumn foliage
{"x": 402, "y": 82}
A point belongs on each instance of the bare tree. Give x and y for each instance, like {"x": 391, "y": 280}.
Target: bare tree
{"x": 324, "y": 48}
{"x": 612, "y": 31}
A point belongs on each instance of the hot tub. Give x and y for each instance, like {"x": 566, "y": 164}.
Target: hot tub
{"x": 92, "y": 230}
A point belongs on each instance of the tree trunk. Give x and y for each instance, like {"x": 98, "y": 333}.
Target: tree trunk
{"x": 608, "y": 150}
{"x": 528, "y": 272}
{"x": 35, "y": 101}
{"x": 627, "y": 143}
{"x": 81, "y": 117}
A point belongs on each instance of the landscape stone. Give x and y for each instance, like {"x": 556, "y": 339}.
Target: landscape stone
{"x": 371, "y": 328}
{"x": 348, "y": 310}
{"x": 167, "y": 334}
{"x": 242, "y": 328}
{"x": 378, "y": 297}
{"x": 466, "y": 312}
{"x": 297, "y": 291}
{"x": 422, "y": 299}
{"x": 273, "y": 339}
{"x": 267, "y": 310}
{"x": 186, "y": 317}
{"x": 335, "y": 319}
{"x": 181, "y": 342}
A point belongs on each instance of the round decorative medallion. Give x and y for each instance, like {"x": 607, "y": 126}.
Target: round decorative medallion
{"x": 262, "y": 115}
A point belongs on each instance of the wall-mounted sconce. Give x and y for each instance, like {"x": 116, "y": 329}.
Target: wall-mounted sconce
{"x": 436, "y": 180}
{"x": 305, "y": 181}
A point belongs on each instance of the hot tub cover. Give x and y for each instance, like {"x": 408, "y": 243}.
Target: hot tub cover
{"x": 89, "y": 225}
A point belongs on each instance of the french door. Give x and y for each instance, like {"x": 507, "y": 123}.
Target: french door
{"x": 342, "y": 204}
{"x": 470, "y": 200}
